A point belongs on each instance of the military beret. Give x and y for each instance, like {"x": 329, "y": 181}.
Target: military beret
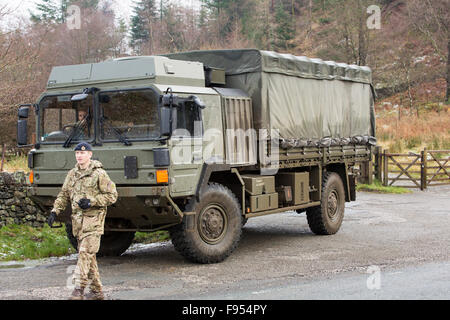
{"x": 83, "y": 146}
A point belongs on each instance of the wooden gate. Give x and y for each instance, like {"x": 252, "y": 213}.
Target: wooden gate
{"x": 437, "y": 168}
{"x": 427, "y": 169}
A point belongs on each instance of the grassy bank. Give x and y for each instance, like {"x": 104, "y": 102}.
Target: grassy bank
{"x": 378, "y": 187}
{"x": 16, "y": 163}
{"x": 145, "y": 237}
{"x": 18, "y": 243}
{"x": 25, "y": 243}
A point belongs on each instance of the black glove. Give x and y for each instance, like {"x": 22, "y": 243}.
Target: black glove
{"x": 84, "y": 203}
{"x": 51, "y": 218}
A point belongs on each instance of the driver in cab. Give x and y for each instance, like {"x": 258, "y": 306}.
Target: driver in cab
{"x": 83, "y": 124}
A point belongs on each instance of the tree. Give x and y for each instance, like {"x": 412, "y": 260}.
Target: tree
{"x": 431, "y": 19}
{"x": 350, "y": 39}
{"x": 284, "y": 30}
{"x": 49, "y": 11}
{"x": 55, "y": 11}
{"x": 230, "y": 13}
{"x": 172, "y": 26}
{"x": 142, "y": 22}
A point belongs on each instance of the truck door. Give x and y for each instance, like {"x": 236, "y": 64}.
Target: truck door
{"x": 186, "y": 150}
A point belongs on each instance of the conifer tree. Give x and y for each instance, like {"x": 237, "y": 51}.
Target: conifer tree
{"x": 284, "y": 31}
{"x": 145, "y": 14}
{"x": 55, "y": 11}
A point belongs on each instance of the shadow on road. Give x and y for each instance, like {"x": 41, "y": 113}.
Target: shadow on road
{"x": 253, "y": 239}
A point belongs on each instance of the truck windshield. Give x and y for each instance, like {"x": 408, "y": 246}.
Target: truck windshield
{"x": 129, "y": 115}
{"x": 60, "y": 117}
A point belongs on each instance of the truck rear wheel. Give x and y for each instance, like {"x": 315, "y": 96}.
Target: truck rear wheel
{"x": 327, "y": 218}
{"x": 214, "y": 231}
{"x": 112, "y": 244}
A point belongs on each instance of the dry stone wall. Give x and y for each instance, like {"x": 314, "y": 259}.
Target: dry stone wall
{"x": 16, "y": 206}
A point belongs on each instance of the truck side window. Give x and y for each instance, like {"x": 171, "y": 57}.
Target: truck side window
{"x": 132, "y": 113}
{"x": 189, "y": 120}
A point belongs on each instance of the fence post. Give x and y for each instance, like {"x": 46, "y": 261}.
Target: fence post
{"x": 385, "y": 169}
{"x": 3, "y": 157}
{"x": 423, "y": 170}
{"x": 379, "y": 163}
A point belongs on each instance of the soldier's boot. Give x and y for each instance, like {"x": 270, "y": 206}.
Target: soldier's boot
{"x": 95, "y": 295}
{"x": 77, "y": 294}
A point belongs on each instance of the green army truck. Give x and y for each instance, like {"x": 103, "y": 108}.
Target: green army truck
{"x": 199, "y": 142}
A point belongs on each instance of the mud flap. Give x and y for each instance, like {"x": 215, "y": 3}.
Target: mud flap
{"x": 190, "y": 221}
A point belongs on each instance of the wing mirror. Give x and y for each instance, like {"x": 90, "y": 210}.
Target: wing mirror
{"x": 22, "y": 125}
{"x": 23, "y": 112}
{"x": 168, "y": 114}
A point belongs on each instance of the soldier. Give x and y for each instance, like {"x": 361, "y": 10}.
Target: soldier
{"x": 85, "y": 122}
{"x": 90, "y": 191}
{"x": 81, "y": 115}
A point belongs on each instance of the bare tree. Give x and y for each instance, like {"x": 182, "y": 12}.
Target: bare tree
{"x": 432, "y": 21}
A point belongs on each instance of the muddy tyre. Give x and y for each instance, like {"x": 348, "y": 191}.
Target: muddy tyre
{"x": 213, "y": 233}
{"x": 112, "y": 244}
{"x": 327, "y": 218}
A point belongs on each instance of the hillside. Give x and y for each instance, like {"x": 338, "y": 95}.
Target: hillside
{"x": 408, "y": 51}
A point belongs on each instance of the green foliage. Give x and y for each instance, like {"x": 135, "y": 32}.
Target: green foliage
{"x": 145, "y": 13}
{"x": 413, "y": 142}
{"x": 16, "y": 163}
{"x": 434, "y": 106}
{"x": 396, "y": 147}
{"x": 19, "y": 242}
{"x": 55, "y": 11}
{"x": 384, "y": 136}
{"x": 49, "y": 11}
{"x": 378, "y": 187}
{"x": 174, "y": 29}
{"x": 439, "y": 143}
{"x": 284, "y": 30}
{"x": 152, "y": 237}
{"x": 324, "y": 20}
{"x": 232, "y": 13}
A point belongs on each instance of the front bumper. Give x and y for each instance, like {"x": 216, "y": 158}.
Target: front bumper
{"x": 124, "y": 192}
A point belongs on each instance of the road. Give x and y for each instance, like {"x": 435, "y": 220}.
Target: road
{"x": 389, "y": 247}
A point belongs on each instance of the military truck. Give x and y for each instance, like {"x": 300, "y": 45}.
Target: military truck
{"x": 199, "y": 142}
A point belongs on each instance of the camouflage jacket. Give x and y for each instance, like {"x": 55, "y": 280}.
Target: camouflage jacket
{"x": 93, "y": 184}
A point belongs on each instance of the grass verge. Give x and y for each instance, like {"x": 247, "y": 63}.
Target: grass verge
{"x": 146, "y": 238}
{"x": 16, "y": 163}
{"x": 18, "y": 243}
{"x": 378, "y": 187}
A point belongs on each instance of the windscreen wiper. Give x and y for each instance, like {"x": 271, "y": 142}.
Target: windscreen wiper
{"x": 76, "y": 129}
{"x": 122, "y": 138}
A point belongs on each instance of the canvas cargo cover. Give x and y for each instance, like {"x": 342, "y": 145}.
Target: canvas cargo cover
{"x": 305, "y": 99}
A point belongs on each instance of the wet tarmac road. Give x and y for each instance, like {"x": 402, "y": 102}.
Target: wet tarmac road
{"x": 389, "y": 247}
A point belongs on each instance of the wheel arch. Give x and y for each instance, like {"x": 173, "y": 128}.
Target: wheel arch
{"x": 342, "y": 170}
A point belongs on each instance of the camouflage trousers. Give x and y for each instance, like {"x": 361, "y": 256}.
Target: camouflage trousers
{"x": 87, "y": 269}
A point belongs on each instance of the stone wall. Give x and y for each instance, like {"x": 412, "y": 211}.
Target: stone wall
{"x": 16, "y": 207}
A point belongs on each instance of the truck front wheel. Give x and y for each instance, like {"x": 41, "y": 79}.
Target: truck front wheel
{"x": 327, "y": 218}
{"x": 214, "y": 231}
